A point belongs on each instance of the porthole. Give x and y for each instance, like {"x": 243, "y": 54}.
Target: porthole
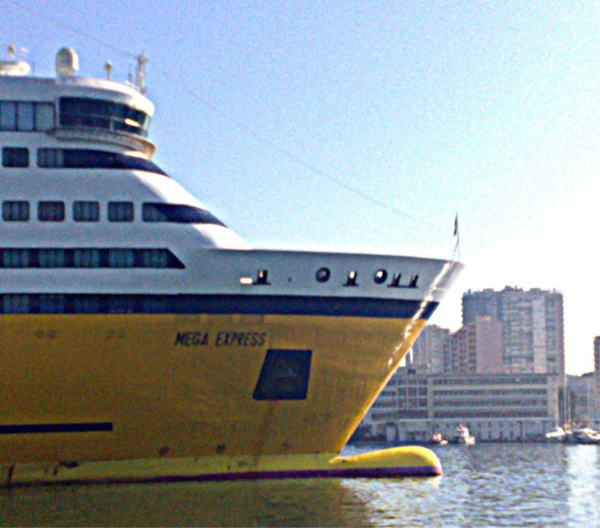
{"x": 380, "y": 276}
{"x": 323, "y": 275}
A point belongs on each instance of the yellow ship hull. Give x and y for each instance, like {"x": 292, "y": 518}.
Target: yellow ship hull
{"x": 150, "y": 396}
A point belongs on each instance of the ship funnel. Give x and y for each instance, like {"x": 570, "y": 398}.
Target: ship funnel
{"x": 67, "y": 62}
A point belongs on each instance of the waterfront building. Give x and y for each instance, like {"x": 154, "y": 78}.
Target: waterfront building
{"x": 495, "y": 407}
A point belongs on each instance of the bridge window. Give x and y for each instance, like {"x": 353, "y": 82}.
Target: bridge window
{"x": 26, "y": 116}
{"x": 44, "y": 116}
{"x": 8, "y": 115}
{"x": 98, "y": 113}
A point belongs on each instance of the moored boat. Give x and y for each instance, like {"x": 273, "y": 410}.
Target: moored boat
{"x": 143, "y": 339}
{"x": 584, "y": 435}
{"x": 462, "y": 436}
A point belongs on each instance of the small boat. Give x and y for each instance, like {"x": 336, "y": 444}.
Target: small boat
{"x": 438, "y": 439}
{"x": 462, "y": 436}
{"x": 584, "y": 436}
{"x": 557, "y": 436}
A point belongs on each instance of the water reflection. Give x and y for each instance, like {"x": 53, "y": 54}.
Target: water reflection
{"x": 482, "y": 485}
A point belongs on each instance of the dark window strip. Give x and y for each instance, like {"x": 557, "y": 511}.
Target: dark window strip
{"x": 99, "y": 113}
{"x": 84, "y": 258}
{"x": 215, "y": 304}
{"x": 84, "y": 427}
{"x": 92, "y": 159}
{"x": 177, "y": 213}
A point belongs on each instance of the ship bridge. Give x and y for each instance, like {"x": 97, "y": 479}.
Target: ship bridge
{"x": 75, "y": 109}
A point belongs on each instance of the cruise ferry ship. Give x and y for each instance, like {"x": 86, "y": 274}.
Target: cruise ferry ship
{"x": 142, "y": 339}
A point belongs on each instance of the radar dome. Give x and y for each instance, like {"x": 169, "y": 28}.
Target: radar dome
{"x": 67, "y": 62}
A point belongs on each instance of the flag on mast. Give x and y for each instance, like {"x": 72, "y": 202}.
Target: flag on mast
{"x": 457, "y": 246}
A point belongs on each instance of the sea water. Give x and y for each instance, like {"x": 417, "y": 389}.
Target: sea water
{"x": 508, "y": 484}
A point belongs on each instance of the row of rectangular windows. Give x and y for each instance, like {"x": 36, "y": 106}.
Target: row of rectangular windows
{"x": 25, "y": 116}
{"x": 157, "y": 258}
{"x": 53, "y": 158}
{"x": 54, "y": 211}
{"x": 29, "y": 116}
{"x": 89, "y": 211}
{"x": 24, "y": 303}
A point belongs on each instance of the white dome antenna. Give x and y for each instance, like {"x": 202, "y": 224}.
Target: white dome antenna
{"x": 67, "y": 62}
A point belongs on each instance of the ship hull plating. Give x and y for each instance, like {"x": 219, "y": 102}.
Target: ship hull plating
{"x": 218, "y": 389}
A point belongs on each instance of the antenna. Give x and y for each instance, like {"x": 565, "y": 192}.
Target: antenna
{"x": 140, "y": 72}
{"x": 108, "y": 68}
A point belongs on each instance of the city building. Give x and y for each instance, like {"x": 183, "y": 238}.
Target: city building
{"x": 476, "y": 348}
{"x": 432, "y": 350}
{"x": 532, "y": 327}
{"x": 501, "y": 374}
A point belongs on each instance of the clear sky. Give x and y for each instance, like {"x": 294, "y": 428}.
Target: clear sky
{"x": 366, "y": 126}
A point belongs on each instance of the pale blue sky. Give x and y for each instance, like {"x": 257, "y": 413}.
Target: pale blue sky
{"x": 265, "y": 110}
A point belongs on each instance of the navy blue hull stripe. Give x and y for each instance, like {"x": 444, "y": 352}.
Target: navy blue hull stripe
{"x": 85, "y": 427}
{"x": 217, "y": 304}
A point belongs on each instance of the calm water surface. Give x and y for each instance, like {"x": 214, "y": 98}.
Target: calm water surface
{"x": 483, "y": 485}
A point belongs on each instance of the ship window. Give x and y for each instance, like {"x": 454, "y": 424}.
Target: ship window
{"x": 15, "y": 157}
{"x": 120, "y": 211}
{"x": 15, "y": 303}
{"x": 92, "y": 159}
{"x": 8, "y": 115}
{"x": 50, "y": 158}
{"x": 162, "y": 212}
{"x": 15, "y": 211}
{"x": 51, "y": 258}
{"x": 96, "y": 113}
{"x": 44, "y": 116}
{"x": 155, "y": 258}
{"x": 51, "y": 211}
{"x": 86, "y": 304}
{"x": 52, "y": 304}
{"x": 15, "y": 258}
{"x": 120, "y": 258}
{"x": 86, "y": 211}
{"x": 25, "y": 116}
{"x": 118, "y": 304}
{"x": 86, "y": 258}
{"x": 89, "y": 258}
